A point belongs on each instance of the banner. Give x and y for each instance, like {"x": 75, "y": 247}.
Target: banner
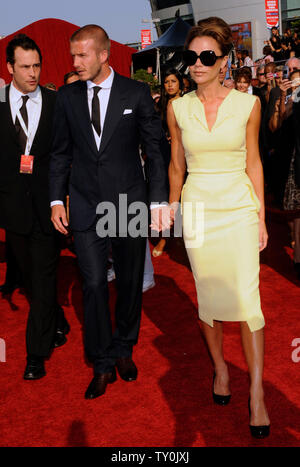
{"x": 242, "y": 36}
{"x": 146, "y": 37}
{"x": 272, "y": 13}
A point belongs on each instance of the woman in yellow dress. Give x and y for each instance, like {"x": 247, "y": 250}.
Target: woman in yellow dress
{"x": 214, "y": 134}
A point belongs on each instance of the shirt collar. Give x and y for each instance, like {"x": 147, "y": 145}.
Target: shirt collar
{"x": 16, "y": 95}
{"x": 106, "y": 84}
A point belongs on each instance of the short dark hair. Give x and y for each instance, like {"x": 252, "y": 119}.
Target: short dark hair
{"x": 92, "y": 31}
{"x": 243, "y": 73}
{"x": 23, "y": 41}
{"x": 69, "y": 75}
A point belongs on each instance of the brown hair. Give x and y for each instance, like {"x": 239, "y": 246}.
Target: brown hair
{"x": 213, "y": 27}
{"x": 92, "y": 31}
{"x": 243, "y": 73}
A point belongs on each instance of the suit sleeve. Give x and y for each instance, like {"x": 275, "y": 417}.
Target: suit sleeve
{"x": 151, "y": 133}
{"x": 61, "y": 155}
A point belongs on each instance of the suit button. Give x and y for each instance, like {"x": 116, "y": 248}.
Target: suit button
{"x": 28, "y": 193}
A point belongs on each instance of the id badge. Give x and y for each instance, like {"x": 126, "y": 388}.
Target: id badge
{"x": 26, "y": 165}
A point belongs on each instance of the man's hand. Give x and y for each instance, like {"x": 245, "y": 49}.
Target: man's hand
{"x": 160, "y": 218}
{"x": 59, "y": 218}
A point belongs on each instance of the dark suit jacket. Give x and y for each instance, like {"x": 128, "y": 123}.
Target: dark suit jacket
{"x": 95, "y": 176}
{"x": 23, "y": 196}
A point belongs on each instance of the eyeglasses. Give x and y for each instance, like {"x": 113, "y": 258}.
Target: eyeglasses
{"x": 207, "y": 57}
{"x": 260, "y": 74}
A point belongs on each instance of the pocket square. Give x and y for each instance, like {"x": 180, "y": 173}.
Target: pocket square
{"x": 127, "y": 111}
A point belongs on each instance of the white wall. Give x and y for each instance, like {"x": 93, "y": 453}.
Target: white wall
{"x": 237, "y": 11}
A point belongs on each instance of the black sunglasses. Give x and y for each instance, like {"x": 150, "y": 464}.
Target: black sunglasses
{"x": 207, "y": 57}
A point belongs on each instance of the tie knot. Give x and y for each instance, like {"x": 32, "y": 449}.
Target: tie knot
{"x": 25, "y": 99}
{"x": 96, "y": 89}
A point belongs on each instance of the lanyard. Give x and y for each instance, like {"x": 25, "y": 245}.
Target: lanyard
{"x": 28, "y": 133}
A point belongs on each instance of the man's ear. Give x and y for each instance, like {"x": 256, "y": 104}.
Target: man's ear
{"x": 10, "y": 68}
{"x": 104, "y": 55}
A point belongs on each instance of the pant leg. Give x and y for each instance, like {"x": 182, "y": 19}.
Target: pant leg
{"x": 42, "y": 319}
{"x": 13, "y": 273}
{"x": 92, "y": 254}
{"x": 37, "y": 257}
{"x": 129, "y": 260}
{"x": 20, "y": 249}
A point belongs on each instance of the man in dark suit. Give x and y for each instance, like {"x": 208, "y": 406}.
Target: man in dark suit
{"x": 25, "y": 137}
{"x": 99, "y": 123}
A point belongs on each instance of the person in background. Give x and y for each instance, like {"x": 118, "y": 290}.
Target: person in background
{"x": 51, "y": 86}
{"x": 287, "y": 43}
{"x": 248, "y": 61}
{"x": 286, "y": 118}
{"x": 260, "y": 74}
{"x": 172, "y": 88}
{"x": 267, "y": 52}
{"x": 270, "y": 80}
{"x": 71, "y": 77}
{"x": 242, "y": 80}
{"x": 275, "y": 44}
{"x": 187, "y": 85}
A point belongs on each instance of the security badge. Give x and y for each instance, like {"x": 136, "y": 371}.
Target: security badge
{"x": 26, "y": 163}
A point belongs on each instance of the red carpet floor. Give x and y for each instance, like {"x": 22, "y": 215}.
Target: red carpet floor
{"x": 170, "y": 404}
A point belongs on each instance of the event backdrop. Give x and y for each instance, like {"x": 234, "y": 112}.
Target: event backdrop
{"x": 52, "y": 36}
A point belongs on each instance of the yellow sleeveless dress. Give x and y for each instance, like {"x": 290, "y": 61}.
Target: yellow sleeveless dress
{"x": 220, "y": 210}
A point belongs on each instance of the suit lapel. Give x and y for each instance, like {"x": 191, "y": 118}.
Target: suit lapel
{"x": 10, "y": 124}
{"x": 113, "y": 113}
{"x": 81, "y": 110}
{"x": 45, "y": 118}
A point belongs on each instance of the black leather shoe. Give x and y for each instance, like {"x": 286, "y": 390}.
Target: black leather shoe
{"x": 127, "y": 369}
{"x": 60, "y": 335}
{"x": 35, "y": 368}
{"x": 261, "y": 431}
{"x": 98, "y": 384}
{"x": 219, "y": 399}
{"x": 8, "y": 289}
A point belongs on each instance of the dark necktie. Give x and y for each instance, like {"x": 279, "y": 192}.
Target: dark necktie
{"x": 96, "y": 110}
{"x": 21, "y": 135}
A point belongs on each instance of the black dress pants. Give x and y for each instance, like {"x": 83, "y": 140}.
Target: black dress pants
{"x": 103, "y": 345}
{"x": 37, "y": 256}
{"x": 13, "y": 274}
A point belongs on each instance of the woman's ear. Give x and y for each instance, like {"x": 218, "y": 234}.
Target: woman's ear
{"x": 224, "y": 61}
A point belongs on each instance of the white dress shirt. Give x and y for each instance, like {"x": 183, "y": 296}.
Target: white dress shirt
{"x": 34, "y": 109}
{"x": 103, "y": 96}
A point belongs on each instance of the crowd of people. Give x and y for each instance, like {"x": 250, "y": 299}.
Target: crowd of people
{"x": 211, "y": 136}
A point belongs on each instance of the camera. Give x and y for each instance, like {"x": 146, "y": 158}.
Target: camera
{"x": 285, "y": 72}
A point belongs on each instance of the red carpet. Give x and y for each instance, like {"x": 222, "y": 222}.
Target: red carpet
{"x": 170, "y": 404}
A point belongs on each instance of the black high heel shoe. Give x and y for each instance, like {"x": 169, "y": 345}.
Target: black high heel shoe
{"x": 219, "y": 399}
{"x": 258, "y": 432}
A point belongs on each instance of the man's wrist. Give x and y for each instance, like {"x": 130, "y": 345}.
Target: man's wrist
{"x": 56, "y": 203}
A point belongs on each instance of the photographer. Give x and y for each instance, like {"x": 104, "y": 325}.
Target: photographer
{"x": 286, "y": 119}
